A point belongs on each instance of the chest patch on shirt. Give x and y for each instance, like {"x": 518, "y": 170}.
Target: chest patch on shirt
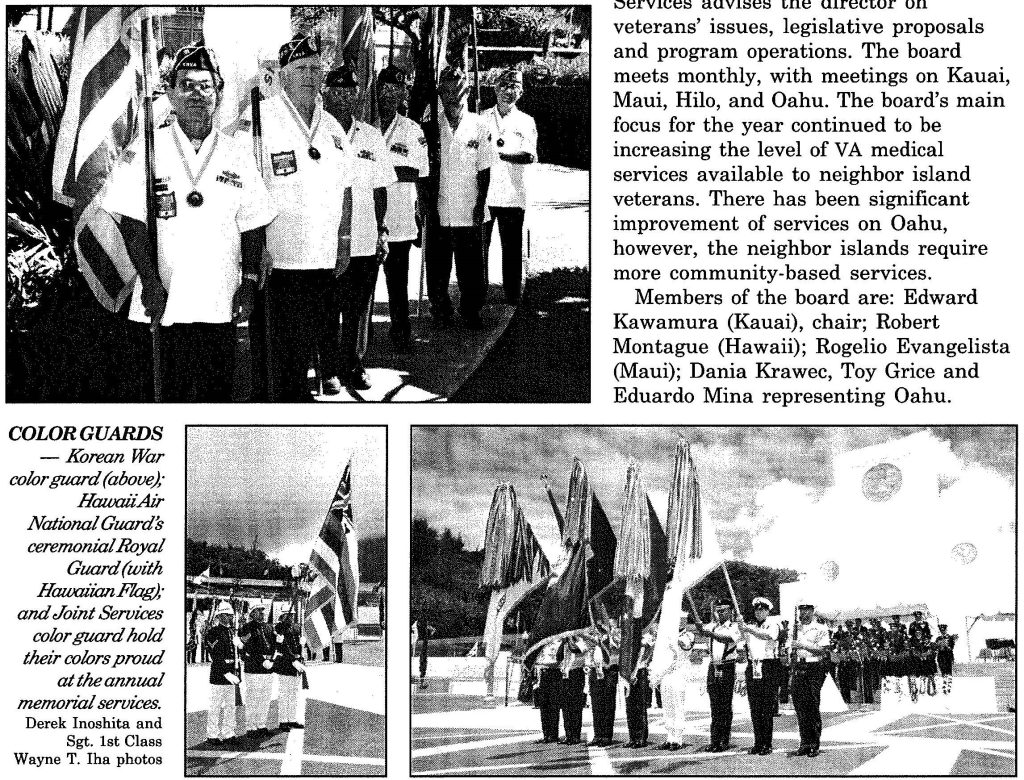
{"x": 283, "y": 163}
{"x": 166, "y": 205}
{"x": 401, "y": 149}
{"x": 473, "y": 144}
{"x": 366, "y": 154}
{"x": 231, "y": 178}
{"x": 339, "y": 142}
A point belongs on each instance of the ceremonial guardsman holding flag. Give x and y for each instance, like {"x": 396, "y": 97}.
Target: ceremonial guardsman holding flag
{"x": 225, "y": 675}
{"x": 291, "y": 708}
{"x": 724, "y": 636}
{"x": 211, "y": 208}
{"x": 257, "y": 657}
{"x": 809, "y": 645}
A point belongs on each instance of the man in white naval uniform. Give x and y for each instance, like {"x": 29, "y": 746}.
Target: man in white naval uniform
{"x": 514, "y": 135}
{"x": 257, "y": 658}
{"x": 371, "y": 175}
{"x": 211, "y": 209}
{"x": 407, "y": 152}
{"x": 307, "y": 169}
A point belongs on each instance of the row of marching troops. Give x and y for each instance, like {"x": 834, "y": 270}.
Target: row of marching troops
{"x": 872, "y": 657}
{"x": 304, "y": 202}
{"x": 248, "y": 659}
{"x": 781, "y": 662}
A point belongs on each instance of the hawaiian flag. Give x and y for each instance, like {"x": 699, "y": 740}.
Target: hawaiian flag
{"x": 332, "y": 604}
{"x": 100, "y": 120}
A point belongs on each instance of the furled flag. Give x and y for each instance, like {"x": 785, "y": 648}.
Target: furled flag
{"x": 514, "y": 564}
{"x": 100, "y": 120}
{"x": 332, "y": 605}
{"x": 590, "y": 546}
{"x": 693, "y": 546}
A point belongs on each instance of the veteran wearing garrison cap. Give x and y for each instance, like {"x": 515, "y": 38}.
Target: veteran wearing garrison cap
{"x": 372, "y": 172}
{"x": 763, "y": 672}
{"x": 211, "y": 209}
{"x": 407, "y": 152}
{"x": 307, "y": 168}
{"x": 462, "y": 158}
{"x": 514, "y": 135}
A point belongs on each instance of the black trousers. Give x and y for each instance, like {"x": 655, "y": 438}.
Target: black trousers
{"x": 763, "y": 696}
{"x": 303, "y": 306}
{"x": 720, "y": 691}
{"x": 848, "y": 674}
{"x": 945, "y": 661}
{"x": 636, "y": 707}
{"x": 806, "y": 689}
{"x": 464, "y": 244}
{"x": 396, "y": 272}
{"x": 197, "y": 362}
{"x": 356, "y": 287}
{"x": 602, "y": 702}
{"x": 572, "y": 704}
{"x": 871, "y": 679}
{"x": 548, "y": 699}
{"x": 510, "y": 233}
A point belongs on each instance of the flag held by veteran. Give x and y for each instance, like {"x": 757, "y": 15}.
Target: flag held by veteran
{"x": 514, "y": 564}
{"x": 694, "y": 550}
{"x": 332, "y": 604}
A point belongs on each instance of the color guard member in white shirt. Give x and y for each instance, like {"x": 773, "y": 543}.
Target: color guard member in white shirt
{"x": 372, "y": 172}
{"x": 407, "y": 151}
{"x": 514, "y": 135}
{"x": 763, "y": 672}
{"x": 463, "y": 160}
{"x": 211, "y": 211}
{"x": 307, "y": 168}
{"x": 810, "y": 646}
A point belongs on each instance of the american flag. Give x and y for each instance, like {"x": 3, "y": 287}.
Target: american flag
{"x": 100, "y": 120}
{"x": 332, "y": 604}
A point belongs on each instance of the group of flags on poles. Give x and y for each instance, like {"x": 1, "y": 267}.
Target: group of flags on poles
{"x": 631, "y": 582}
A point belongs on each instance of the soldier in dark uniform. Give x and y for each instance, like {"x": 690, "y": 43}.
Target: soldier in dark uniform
{"x": 723, "y": 636}
{"x": 225, "y": 674}
{"x": 258, "y": 660}
{"x": 920, "y": 624}
{"x": 638, "y": 697}
{"x": 847, "y": 660}
{"x": 810, "y": 648}
{"x": 944, "y": 644}
{"x": 288, "y": 667}
{"x": 548, "y": 690}
{"x": 604, "y": 679}
{"x": 572, "y": 696}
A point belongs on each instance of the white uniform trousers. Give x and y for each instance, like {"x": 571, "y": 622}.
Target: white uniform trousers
{"x": 220, "y": 720}
{"x": 291, "y": 708}
{"x": 257, "y": 700}
{"x": 673, "y": 700}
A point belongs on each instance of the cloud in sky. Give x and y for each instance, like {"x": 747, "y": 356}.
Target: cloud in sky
{"x": 771, "y": 492}
{"x": 280, "y": 480}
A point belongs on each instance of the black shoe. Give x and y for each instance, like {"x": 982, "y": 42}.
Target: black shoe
{"x": 543, "y": 741}
{"x": 332, "y": 385}
{"x": 215, "y": 742}
{"x": 766, "y": 751}
{"x": 638, "y": 744}
{"x": 803, "y": 750}
{"x": 673, "y": 746}
{"x": 298, "y": 726}
{"x": 576, "y": 741}
{"x": 754, "y": 751}
{"x": 813, "y": 752}
{"x": 358, "y": 379}
{"x": 595, "y": 741}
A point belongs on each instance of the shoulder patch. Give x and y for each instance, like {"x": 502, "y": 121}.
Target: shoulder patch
{"x": 366, "y": 154}
{"x": 127, "y": 155}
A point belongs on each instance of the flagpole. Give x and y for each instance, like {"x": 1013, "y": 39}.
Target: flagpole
{"x": 151, "y": 231}
{"x": 732, "y": 593}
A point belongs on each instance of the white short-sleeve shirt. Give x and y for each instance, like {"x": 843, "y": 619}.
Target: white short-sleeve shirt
{"x": 407, "y": 147}
{"x": 199, "y": 248}
{"x": 464, "y": 152}
{"x": 815, "y": 634}
{"x": 513, "y": 133}
{"x": 371, "y": 168}
{"x": 308, "y": 193}
{"x": 764, "y": 649}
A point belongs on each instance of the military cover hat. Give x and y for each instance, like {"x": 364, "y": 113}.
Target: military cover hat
{"x": 296, "y": 49}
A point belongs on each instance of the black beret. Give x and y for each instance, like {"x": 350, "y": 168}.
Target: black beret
{"x": 298, "y": 47}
